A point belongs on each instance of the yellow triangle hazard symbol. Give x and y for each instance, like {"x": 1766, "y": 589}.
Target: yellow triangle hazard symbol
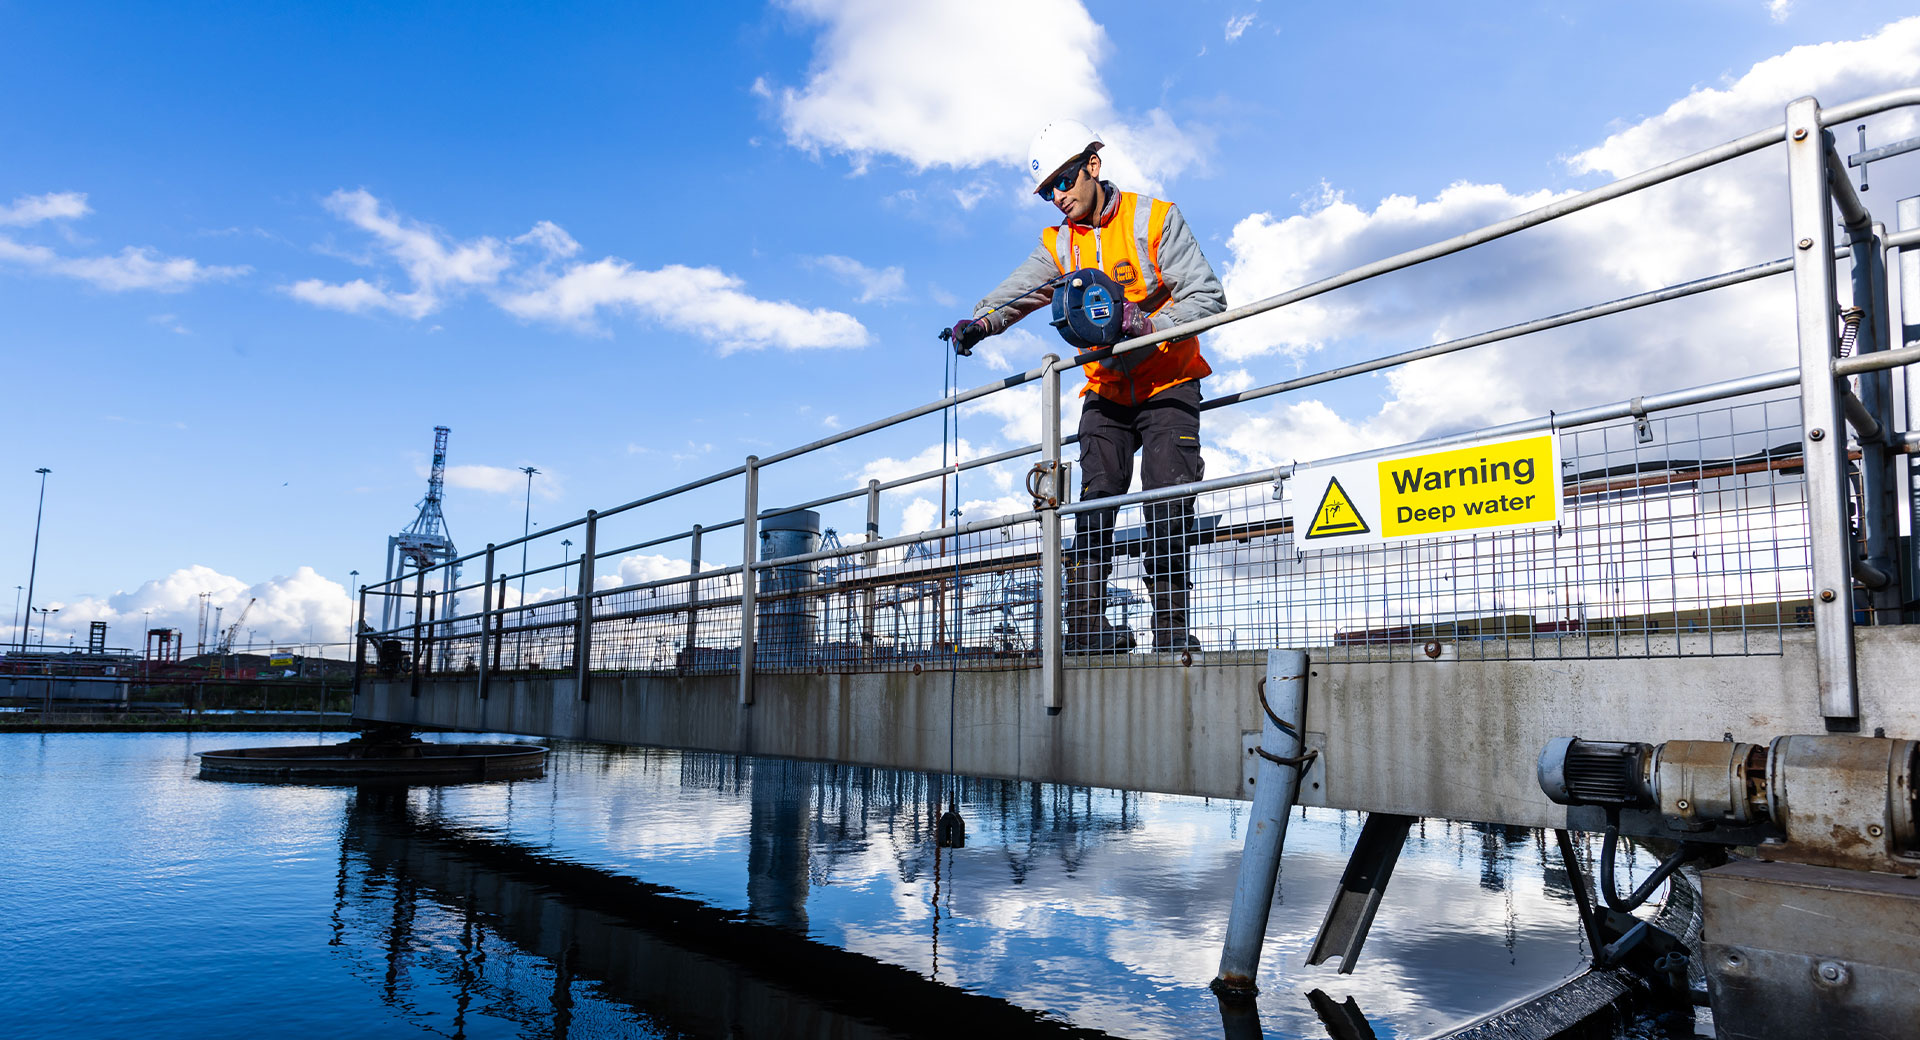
{"x": 1336, "y": 514}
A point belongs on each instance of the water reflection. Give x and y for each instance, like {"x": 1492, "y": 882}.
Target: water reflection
{"x": 654, "y": 893}
{"x": 448, "y": 926}
{"x": 1100, "y": 908}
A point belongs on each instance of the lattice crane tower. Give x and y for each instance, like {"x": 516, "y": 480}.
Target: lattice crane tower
{"x": 424, "y": 543}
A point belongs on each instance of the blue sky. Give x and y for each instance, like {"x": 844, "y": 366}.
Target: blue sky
{"x": 631, "y": 244}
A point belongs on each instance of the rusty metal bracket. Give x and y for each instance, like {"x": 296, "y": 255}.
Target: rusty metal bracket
{"x": 1043, "y": 485}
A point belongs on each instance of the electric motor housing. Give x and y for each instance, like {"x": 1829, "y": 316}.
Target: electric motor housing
{"x": 1597, "y": 772}
{"x": 1087, "y": 309}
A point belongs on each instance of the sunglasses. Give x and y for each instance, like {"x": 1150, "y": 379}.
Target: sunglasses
{"x": 1067, "y": 179}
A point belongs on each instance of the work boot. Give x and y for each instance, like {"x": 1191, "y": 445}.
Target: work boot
{"x": 1088, "y": 630}
{"x": 1170, "y": 634}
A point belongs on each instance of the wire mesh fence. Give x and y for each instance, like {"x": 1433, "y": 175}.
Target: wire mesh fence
{"x": 1680, "y": 535}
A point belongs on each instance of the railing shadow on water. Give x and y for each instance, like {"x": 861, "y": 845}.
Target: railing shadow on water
{"x": 1723, "y": 511}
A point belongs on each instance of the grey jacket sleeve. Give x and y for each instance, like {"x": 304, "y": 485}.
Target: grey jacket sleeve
{"x": 1196, "y": 289}
{"x": 1038, "y": 267}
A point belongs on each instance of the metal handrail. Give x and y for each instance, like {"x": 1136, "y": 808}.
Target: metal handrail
{"x": 1839, "y": 191}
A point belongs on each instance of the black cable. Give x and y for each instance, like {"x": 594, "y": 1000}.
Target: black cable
{"x": 1686, "y": 851}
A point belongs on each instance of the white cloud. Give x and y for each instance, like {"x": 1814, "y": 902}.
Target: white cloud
{"x": 132, "y": 268}
{"x": 299, "y": 608}
{"x": 877, "y": 88}
{"x": 355, "y": 297}
{"x": 435, "y": 264}
{"x": 501, "y": 480}
{"x": 1778, "y": 10}
{"x": 886, "y": 285}
{"x": 1238, "y": 24}
{"x": 54, "y": 205}
{"x": 1728, "y": 217}
{"x": 703, "y": 301}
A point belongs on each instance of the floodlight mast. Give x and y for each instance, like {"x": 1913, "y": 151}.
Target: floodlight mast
{"x": 426, "y": 542}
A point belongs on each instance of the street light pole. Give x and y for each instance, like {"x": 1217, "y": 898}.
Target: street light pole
{"x": 16, "y": 608}
{"x": 33, "y": 571}
{"x": 46, "y": 614}
{"x": 526, "y": 530}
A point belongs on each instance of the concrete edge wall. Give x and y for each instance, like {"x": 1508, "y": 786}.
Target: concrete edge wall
{"x": 1446, "y": 737}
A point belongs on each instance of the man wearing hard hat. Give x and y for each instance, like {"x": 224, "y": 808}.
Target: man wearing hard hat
{"x": 1144, "y": 400}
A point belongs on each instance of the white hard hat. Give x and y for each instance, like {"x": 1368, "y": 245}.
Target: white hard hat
{"x": 1057, "y": 144}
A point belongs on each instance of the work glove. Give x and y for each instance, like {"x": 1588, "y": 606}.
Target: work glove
{"x": 964, "y": 334}
{"x": 1134, "y": 322}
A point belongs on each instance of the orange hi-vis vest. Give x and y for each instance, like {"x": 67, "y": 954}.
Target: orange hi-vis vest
{"x": 1114, "y": 247}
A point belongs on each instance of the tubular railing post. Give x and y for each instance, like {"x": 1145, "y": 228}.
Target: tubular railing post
{"x": 486, "y": 626}
{"x": 583, "y": 613}
{"x": 500, "y": 626}
{"x": 419, "y": 601}
{"x": 693, "y": 598}
{"x": 1823, "y": 425}
{"x": 1908, "y": 215}
{"x": 433, "y": 631}
{"x": 1879, "y": 470}
{"x": 868, "y": 559}
{"x": 359, "y": 645}
{"x": 749, "y": 552}
{"x": 1053, "y": 658}
{"x": 1276, "y": 786}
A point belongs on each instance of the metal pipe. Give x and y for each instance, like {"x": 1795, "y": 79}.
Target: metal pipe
{"x": 583, "y": 613}
{"x": 991, "y": 524}
{"x": 486, "y": 622}
{"x": 900, "y": 482}
{"x": 1825, "y": 454}
{"x": 693, "y": 485}
{"x": 1860, "y": 418}
{"x": 868, "y": 559}
{"x": 419, "y": 597}
{"x": 1852, "y": 366}
{"x": 1868, "y": 106}
{"x": 1276, "y": 787}
{"x": 750, "y": 549}
{"x": 1853, "y": 213}
{"x": 912, "y": 413}
{"x": 1559, "y": 208}
{"x": 1053, "y": 659}
{"x": 693, "y": 600}
{"x": 359, "y": 648}
{"x": 1672, "y": 292}
{"x": 1879, "y": 468}
{"x": 660, "y": 583}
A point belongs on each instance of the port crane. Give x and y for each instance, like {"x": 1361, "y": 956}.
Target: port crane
{"x": 227, "y": 637}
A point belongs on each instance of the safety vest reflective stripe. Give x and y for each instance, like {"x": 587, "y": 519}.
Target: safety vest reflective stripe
{"x": 1116, "y": 249}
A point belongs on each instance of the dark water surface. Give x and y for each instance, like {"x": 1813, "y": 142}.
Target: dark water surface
{"x": 632, "y": 892}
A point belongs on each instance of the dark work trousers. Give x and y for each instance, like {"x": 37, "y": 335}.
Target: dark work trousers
{"x": 1165, "y": 428}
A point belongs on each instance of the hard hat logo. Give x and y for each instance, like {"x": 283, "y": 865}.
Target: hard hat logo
{"x": 1058, "y": 144}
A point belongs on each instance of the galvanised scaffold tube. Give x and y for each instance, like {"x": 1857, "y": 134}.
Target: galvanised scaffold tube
{"x": 1276, "y": 786}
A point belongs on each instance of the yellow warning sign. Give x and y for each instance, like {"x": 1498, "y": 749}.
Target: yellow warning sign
{"x": 1505, "y": 484}
{"x": 1336, "y": 514}
{"x": 1492, "y": 485}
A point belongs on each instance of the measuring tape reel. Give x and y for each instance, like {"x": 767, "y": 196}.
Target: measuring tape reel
{"x": 1087, "y": 309}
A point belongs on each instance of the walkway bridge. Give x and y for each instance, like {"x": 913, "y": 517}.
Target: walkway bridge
{"x": 1731, "y": 558}
{"x": 1728, "y": 563}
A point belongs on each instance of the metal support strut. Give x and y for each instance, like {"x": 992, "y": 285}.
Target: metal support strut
{"x": 1275, "y": 789}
